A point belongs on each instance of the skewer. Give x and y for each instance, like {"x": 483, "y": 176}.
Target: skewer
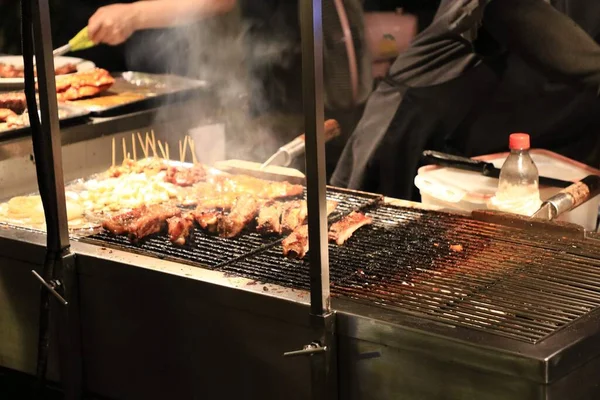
{"x": 167, "y": 149}
{"x": 185, "y": 143}
{"x": 124, "y": 150}
{"x": 113, "y": 152}
{"x": 134, "y": 146}
{"x": 162, "y": 149}
{"x": 143, "y": 145}
{"x": 193, "y": 150}
{"x": 181, "y": 155}
{"x": 153, "y": 142}
{"x": 128, "y": 155}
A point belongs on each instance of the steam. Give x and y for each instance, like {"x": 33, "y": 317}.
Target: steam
{"x": 222, "y": 52}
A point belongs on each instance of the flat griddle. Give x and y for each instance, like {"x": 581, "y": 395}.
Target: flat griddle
{"x": 73, "y": 115}
{"x": 137, "y": 91}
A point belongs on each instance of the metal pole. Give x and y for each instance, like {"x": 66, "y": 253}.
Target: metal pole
{"x": 323, "y": 363}
{"x": 59, "y": 275}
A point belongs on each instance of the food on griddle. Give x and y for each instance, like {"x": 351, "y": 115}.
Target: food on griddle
{"x": 294, "y": 214}
{"x": 269, "y": 219}
{"x": 207, "y": 219}
{"x": 180, "y": 228}
{"x": 30, "y": 210}
{"x": 10, "y": 118}
{"x": 296, "y": 244}
{"x": 142, "y": 221}
{"x": 182, "y": 176}
{"x": 244, "y": 210}
{"x": 456, "y": 248}
{"x": 83, "y": 84}
{"x": 13, "y": 71}
{"x": 148, "y": 166}
{"x": 126, "y": 192}
{"x": 15, "y": 101}
{"x": 344, "y": 228}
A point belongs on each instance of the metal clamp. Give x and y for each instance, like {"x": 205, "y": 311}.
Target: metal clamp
{"x": 51, "y": 286}
{"x": 308, "y": 350}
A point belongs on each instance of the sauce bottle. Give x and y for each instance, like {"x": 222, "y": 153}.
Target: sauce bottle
{"x": 518, "y": 187}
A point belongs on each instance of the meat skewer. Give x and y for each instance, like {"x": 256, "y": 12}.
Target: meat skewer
{"x": 180, "y": 228}
{"x": 142, "y": 221}
{"x": 344, "y": 228}
{"x": 243, "y": 212}
{"x": 207, "y": 219}
{"x": 296, "y": 244}
{"x": 294, "y": 214}
{"x": 182, "y": 176}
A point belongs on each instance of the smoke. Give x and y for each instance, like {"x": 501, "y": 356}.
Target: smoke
{"x": 226, "y": 53}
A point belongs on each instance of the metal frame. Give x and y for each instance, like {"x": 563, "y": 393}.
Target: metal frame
{"x": 59, "y": 276}
{"x": 322, "y": 350}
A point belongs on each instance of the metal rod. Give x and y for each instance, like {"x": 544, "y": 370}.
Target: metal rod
{"x": 312, "y": 83}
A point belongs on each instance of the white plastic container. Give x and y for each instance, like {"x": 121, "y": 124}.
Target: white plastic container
{"x": 465, "y": 190}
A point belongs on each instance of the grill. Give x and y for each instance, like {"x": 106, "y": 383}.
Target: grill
{"x": 211, "y": 251}
{"x": 506, "y": 281}
{"x": 502, "y": 281}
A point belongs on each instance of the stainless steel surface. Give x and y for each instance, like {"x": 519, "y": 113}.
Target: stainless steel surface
{"x": 383, "y": 354}
{"x": 62, "y": 50}
{"x": 67, "y": 114}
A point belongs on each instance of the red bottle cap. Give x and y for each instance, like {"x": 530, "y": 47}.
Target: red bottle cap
{"x": 518, "y": 141}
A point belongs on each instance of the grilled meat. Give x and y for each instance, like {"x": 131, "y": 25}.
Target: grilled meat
{"x": 149, "y": 166}
{"x": 142, "y": 221}
{"x": 83, "y": 84}
{"x": 180, "y": 228}
{"x": 6, "y": 114}
{"x": 269, "y": 219}
{"x": 343, "y": 229}
{"x": 296, "y": 244}
{"x": 294, "y": 214}
{"x": 182, "y": 176}
{"x": 244, "y": 210}
{"x": 221, "y": 191}
{"x": 14, "y": 101}
{"x": 207, "y": 219}
{"x": 13, "y": 71}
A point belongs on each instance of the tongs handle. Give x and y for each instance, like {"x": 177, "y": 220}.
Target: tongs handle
{"x": 453, "y": 161}
{"x": 296, "y": 146}
{"x": 571, "y": 197}
{"x": 81, "y": 41}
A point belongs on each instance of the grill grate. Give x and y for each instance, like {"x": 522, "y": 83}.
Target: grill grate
{"x": 506, "y": 281}
{"x": 501, "y": 281}
{"x": 212, "y": 251}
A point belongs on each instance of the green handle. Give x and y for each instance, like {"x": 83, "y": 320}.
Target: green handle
{"x": 81, "y": 41}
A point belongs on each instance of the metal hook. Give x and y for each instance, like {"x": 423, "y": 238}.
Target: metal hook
{"x": 51, "y": 286}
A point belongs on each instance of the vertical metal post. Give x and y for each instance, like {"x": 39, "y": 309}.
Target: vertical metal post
{"x": 59, "y": 275}
{"x": 323, "y": 364}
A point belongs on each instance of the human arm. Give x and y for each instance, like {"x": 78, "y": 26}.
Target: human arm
{"x": 115, "y": 23}
{"x": 545, "y": 38}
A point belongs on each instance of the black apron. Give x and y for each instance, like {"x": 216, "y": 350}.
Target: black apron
{"x": 430, "y": 90}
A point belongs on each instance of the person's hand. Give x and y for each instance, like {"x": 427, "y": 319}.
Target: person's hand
{"x": 113, "y": 24}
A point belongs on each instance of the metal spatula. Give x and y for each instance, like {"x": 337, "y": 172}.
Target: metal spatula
{"x": 81, "y": 41}
{"x": 284, "y": 156}
{"x": 569, "y": 198}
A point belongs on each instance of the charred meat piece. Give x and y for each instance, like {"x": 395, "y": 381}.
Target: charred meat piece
{"x": 182, "y": 176}
{"x": 295, "y": 212}
{"x": 119, "y": 224}
{"x": 207, "y": 219}
{"x": 180, "y": 228}
{"x": 83, "y": 84}
{"x": 153, "y": 221}
{"x": 142, "y": 221}
{"x": 244, "y": 211}
{"x": 14, "y": 101}
{"x": 269, "y": 219}
{"x": 344, "y": 228}
{"x": 296, "y": 244}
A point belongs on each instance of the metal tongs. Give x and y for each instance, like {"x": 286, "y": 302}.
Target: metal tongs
{"x": 81, "y": 41}
{"x": 284, "y": 156}
{"x": 569, "y": 198}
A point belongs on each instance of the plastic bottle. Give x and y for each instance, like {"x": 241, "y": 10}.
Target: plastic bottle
{"x": 518, "y": 187}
